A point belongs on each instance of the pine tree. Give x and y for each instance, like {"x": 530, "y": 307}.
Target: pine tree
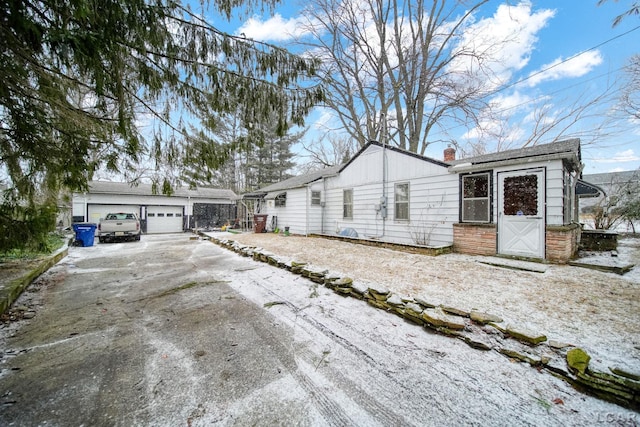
{"x": 79, "y": 75}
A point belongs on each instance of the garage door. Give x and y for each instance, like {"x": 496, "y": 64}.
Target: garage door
{"x": 97, "y": 212}
{"x": 164, "y": 219}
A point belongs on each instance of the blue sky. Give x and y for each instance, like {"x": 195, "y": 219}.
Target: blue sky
{"x": 552, "y": 32}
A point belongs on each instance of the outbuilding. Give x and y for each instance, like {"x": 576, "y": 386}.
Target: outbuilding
{"x": 515, "y": 203}
{"x": 182, "y": 210}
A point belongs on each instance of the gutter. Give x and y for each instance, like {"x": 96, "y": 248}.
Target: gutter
{"x": 471, "y": 167}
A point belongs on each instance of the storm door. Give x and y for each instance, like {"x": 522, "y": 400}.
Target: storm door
{"x": 521, "y": 213}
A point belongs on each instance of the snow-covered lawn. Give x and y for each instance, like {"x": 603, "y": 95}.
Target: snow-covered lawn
{"x": 597, "y": 311}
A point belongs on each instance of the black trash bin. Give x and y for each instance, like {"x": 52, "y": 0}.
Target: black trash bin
{"x": 85, "y": 233}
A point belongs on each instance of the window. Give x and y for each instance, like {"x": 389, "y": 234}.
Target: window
{"x": 401, "y": 199}
{"x": 281, "y": 200}
{"x": 347, "y": 204}
{"x": 120, "y": 216}
{"x": 521, "y": 195}
{"x": 151, "y": 214}
{"x": 315, "y": 198}
{"x": 169, "y": 214}
{"x": 475, "y": 198}
{"x": 178, "y": 215}
{"x": 160, "y": 215}
{"x": 568, "y": 198}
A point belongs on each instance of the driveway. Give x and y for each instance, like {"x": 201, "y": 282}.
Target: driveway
{"x": 173, "y": 331}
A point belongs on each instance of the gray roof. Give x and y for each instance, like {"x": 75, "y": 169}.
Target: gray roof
{"x": 397, "y": 150}
{"x": 568, "y": 149}
{"x": 612, "y": 177}
{"x": 106, "y": 187}
{"x": 295, "y": 182}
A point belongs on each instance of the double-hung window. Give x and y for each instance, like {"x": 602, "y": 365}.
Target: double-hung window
{"x": 401, "y": 200}
{"x": 316, "y": 198}
{"x": 476, "y": 192}
{"x": 281, "y": 200}
{"x": 347, "y": 204}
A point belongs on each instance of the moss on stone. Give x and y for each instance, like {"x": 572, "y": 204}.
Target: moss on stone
{"x": 578, "y": 360}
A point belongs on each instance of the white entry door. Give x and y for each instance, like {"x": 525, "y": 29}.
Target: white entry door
{"x": 521, "y": 213}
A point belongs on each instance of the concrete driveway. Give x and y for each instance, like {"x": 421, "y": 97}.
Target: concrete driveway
{"x": 173, "y": 331}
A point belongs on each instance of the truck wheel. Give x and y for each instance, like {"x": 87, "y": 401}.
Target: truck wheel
{"x": 138, "y": 237}
{"x": 101, "y": 239}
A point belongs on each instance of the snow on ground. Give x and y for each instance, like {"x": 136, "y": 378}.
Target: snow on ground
{"x": 598, "y": 311}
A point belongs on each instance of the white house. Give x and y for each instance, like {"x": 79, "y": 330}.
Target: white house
{"x": 616, "y": 188}
{"x": 518, "y": 202}
{"x": 184, "y": 209}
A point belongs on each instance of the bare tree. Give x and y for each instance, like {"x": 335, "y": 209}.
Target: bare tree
{"x": 328, "y": 151}
{"x": 552, "y": 119}
{"x": 631, "y": 95}
{"x": 621, "y": 205}
{"x": 396, "y": 71}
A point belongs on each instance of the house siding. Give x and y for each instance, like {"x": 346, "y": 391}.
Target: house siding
{"x": 554, "y": 190}
{"x": 293, "y": 214}
{"x": 433, "y": 199}
{"x": 561, "y": 243}
{"x": 315, "y": 212}
{"x": 433, "y": 202}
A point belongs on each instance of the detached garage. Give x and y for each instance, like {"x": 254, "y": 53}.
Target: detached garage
{"x": 158, "y": 213}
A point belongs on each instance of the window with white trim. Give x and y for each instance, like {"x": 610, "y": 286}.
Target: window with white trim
{"x": 476, "y": 192}
{"x": 401, "y": 201}
{"x": 316, "y": 197}
{"x": 347, "y": 204}
{"x": 281, "y": 200}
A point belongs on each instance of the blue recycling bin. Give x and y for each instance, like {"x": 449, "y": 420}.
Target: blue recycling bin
{"x": 85, "y": 233}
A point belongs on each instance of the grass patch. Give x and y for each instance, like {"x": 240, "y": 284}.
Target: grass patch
{"x": 52, "y": 244}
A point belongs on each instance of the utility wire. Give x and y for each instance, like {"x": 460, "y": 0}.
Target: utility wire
{"x": 517, "y": 82}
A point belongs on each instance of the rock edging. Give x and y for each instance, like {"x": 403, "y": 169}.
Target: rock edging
{"x": 482, "y": 331}
{"x": 11, "y": 291}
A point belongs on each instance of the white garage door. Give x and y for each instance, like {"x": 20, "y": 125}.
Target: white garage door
{"x": 98, "y": 212}
{"x": 164, "y": 219}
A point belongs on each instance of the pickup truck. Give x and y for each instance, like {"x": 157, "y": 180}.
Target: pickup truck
{"x": 120, "y": 225}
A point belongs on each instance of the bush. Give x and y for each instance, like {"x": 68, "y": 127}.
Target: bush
{"x": 26, "y": 228}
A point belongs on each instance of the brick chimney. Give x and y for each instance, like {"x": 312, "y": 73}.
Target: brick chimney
{"x": 449, "y": 154}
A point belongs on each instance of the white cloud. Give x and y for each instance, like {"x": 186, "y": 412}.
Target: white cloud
{"x": 327, "y": 117}
{"x": 513, "y": 102}
{"x": 620, "y": 157}
{"x": 575, "y": 67}
{"x": 275, "y": 29}
{"x": 505, "y": 41}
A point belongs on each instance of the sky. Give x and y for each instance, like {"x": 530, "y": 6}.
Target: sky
{"x": 566, "y": 50}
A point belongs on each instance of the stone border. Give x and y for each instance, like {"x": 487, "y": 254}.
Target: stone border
{"x": 12, "y": 290}
{"x": 479, "y": 330}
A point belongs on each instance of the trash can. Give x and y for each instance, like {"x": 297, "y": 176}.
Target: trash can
{"x": 84, "y": 233}
{"x": 259, "y": 223}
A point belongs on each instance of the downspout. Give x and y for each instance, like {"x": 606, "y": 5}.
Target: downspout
{"x": 306, "y": 212}
{"x": 86, "y": 210}
{"x": 188, "y": 211}
{"x": 322, "y": 203}
{"x": 383, "y": 200}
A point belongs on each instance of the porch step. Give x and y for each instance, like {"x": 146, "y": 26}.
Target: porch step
{"x": 514, "y": 264}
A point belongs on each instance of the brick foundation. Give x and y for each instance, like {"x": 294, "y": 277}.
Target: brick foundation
{"x": 562, "y": 242}
{"x": 480, "y": 239}
{"x": 474, "y": 239}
